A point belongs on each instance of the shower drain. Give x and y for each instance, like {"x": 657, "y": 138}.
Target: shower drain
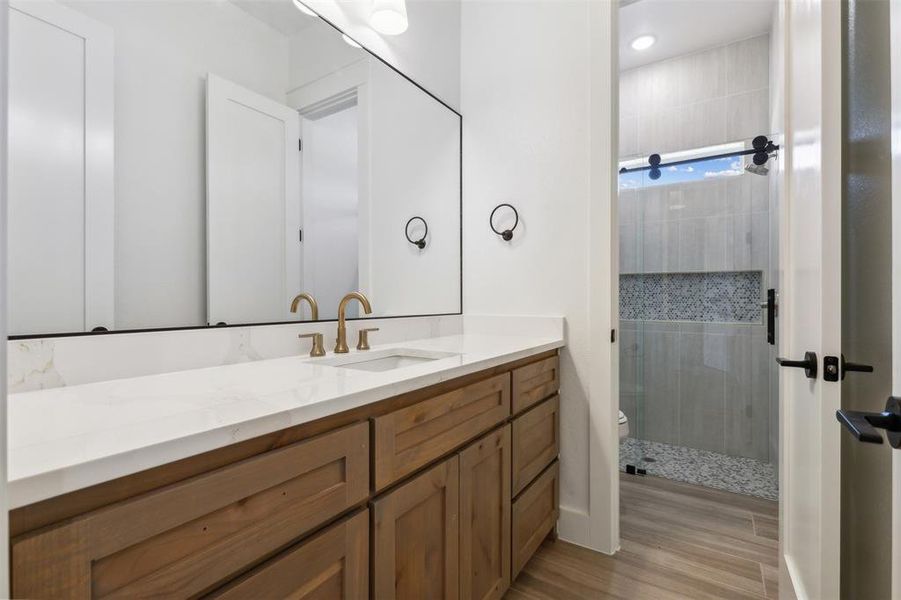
{"x": 648, "y": 459}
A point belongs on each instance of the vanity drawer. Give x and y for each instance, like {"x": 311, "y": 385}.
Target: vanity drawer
{"x": 536, "y": 441}
{"x": 535, "y": 514}
{"x": 189, "y": 537}
{"x": 410, "y": 438}
{"x": 535, "y": 382}
{"x": 333, "y": 564}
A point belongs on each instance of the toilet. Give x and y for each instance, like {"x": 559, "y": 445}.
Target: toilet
{"x": 623, "y": 425}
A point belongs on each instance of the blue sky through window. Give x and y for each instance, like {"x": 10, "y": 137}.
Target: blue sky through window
{"x": 704, "y": 169}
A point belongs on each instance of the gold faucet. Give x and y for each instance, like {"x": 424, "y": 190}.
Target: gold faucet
{"x": 341, "y": 343}
{"x": 314, "y": 308}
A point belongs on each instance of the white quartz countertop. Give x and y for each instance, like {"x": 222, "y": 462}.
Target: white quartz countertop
{"x": 68, "y": 438}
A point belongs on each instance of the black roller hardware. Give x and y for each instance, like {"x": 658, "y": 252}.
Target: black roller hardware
{"x": 809, "y": 364}
{"x": 863, "y": 425}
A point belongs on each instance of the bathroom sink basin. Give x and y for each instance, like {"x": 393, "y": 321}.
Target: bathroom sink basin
{"x": 386, "y": 360}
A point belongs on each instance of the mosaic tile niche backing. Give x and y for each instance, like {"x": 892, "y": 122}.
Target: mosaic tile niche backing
{"x": 720, "y": 297}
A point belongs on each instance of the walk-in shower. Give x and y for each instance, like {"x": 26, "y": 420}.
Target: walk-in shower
{"x": 695, "y": 365}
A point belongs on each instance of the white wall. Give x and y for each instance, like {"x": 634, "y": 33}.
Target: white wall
{"x": 414, "y": 169}
{"x": 530, "y": 106}
{"x": 428, "y": 52}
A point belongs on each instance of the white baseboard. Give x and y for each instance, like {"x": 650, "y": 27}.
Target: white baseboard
{"x": 573, "y": 526}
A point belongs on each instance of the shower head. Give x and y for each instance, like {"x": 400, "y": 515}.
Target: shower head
{"x": 757, "y": 169}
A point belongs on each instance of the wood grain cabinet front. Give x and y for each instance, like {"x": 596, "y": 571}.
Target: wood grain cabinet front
{"x": 536, "y": 441}
{"x": 415, "y": 540}
{"x": 535, "y": 514}
{"x": 190, "y": 537}
{"x": 485, "y": 517}
{"x": 412, "y": 437}
{"x": 534, "y": 382}
{"x": 332, "y": 565}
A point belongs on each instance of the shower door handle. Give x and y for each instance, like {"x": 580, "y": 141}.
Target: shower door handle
{"x": 809, "y": 364}
{"x": 771, "y": 310}
{"x": 862, "y": 425}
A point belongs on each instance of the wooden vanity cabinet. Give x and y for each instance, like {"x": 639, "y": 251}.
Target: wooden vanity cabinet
{"x": 485, "y": 517}
{"x": 416, "y": 530}
{"x": 409, "y": 438}
{"x": 187, "y": 538}
{"x": 535, "y": 514}
{"x": 332, "y": 565}
{"x": 536, "y": 441}
{"x": 442, "y": 492}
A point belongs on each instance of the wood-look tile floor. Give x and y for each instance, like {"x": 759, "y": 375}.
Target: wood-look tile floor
{"x": 678, "y": 541}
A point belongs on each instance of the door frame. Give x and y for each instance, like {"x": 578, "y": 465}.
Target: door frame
{"x": 895, "y": 59}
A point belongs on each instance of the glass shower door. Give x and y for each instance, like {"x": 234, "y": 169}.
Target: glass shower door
{"x": 695, "y": 368}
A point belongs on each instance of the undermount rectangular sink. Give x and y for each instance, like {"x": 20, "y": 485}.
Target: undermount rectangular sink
{"x": 386, "y": 360}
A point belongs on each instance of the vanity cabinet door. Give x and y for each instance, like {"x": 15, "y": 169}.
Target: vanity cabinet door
{"x": 485, "y": 517}
{"x": 534, "y": 382}
{"x": 535, "y": 513}
{"x": 536, "y": 441}
{"x": 412, "y": 437}
{"x": 190, "y": 537}
{"x": 415, "y": 549}
{"x": 333, "y": 565}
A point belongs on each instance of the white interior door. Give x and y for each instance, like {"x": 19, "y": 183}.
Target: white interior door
{"x": 253, "y": 205}
{"x": 61, "y": 170}
{"x": 810, "y": 303}
{"x": 330, "y": 208}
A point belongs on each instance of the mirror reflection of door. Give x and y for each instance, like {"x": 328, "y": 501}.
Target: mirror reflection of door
{"x": 330, "y": 205}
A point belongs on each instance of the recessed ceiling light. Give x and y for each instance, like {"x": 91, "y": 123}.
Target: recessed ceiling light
{"x": 389, "y": 16}
{"x": 350, "y": 41}
{"x": 303, "y": 8}
{"x": 643, "y": 42}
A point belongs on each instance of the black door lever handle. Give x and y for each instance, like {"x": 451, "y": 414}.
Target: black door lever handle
{"x": 862, "y": 425}
{"x": 809, "y": 364}
{"x": 856, "y": 367}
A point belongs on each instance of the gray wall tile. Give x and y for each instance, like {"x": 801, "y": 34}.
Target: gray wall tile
{"x": 702, "y": 75}
{"x": 702, "y": 386}
{"x": 748, "y": 65}
{"x": 659, "y": 404}
{"x": 747, "y": 115}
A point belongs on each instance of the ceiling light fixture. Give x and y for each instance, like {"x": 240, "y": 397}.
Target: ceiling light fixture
{"x": 643, "y": 42}
{"x": 303, "y": 8}
{"x": 350, "y": 41}
{"x": 389, "y": 16}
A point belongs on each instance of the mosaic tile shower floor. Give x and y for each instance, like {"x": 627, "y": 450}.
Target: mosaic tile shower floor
{"x": 701, "y": 467}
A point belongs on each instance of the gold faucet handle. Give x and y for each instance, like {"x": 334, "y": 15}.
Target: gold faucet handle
{"x": 318, "y": 346}
{"x": 363, "y": 343}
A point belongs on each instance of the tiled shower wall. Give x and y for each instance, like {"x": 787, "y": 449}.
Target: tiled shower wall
{"x": 710, "y": 97}
{"x": 684, "y": 381}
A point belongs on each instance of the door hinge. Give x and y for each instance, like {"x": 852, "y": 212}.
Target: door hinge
{"x": 613, "y": 336}
{"x": 300, "y": 235}
{"x": 300, "y": 145}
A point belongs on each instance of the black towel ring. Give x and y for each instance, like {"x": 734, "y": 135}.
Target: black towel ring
{"x": 420, "y": 243}
{"x": 507, "y": 234}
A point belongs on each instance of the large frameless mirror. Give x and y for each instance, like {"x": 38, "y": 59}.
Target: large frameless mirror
{"x": 185, "y": 164}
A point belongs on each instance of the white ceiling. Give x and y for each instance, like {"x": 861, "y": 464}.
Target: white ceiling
{"x": 684, "y": 26}
{"x": 281, "y": 15}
